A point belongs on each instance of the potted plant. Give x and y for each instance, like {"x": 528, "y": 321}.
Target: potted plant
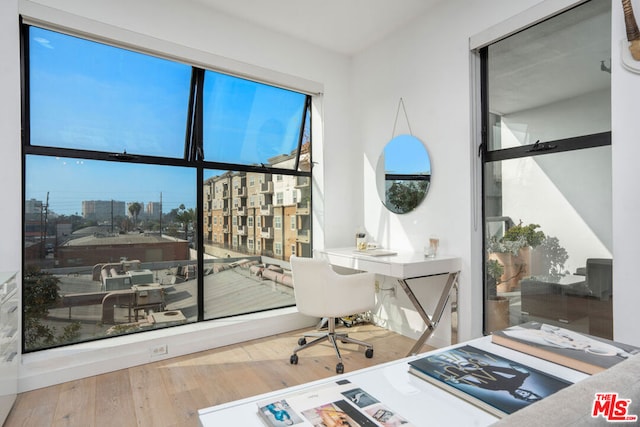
{"x": 513, "y": 251}
{"x": 549, "y": 259}
{"x": 497, "y": 312}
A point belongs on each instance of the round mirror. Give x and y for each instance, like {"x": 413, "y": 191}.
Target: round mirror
{"x": 403, "y": 174}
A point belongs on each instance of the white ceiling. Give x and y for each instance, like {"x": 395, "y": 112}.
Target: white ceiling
{"x": 555, "y": 61}
{"x": 344, "y": 26}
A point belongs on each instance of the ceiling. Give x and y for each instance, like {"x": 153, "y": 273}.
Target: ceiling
{"x": 557, "y": 60}
{"x": 344, "y": 26}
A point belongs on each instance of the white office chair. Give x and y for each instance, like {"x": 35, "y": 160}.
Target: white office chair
{"x": 321, "y": 292}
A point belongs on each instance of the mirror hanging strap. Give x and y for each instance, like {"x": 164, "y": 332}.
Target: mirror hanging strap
{"x": 395, "y": 123}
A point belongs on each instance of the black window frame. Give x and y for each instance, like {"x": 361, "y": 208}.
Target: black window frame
{"x": 487, "y": 156}
{"x": 194, "y": 156}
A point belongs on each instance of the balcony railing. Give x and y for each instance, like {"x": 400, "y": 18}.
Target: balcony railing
{"x": 266, "y": 210}
{"x": 242, "y": 230}
{"x": 266, "y": 187}
{"x": 241, "y": 192}
{"x": 302, "y": 181}
{"x": 266, "y": 233}
{"x": 304, "y": 236}
{"x": 242, "y": 211}
{"x": 303, "y": 208}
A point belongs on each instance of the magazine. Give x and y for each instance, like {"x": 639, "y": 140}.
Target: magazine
{"x": 491, "y": 382}
{"x": 574, "y": 350}
{"x": 339, "y": 403}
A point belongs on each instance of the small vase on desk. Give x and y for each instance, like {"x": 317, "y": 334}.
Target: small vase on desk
{"x": 432, "y": 250}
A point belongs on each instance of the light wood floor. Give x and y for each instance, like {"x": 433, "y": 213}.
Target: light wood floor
{"x": 170, "y": 392}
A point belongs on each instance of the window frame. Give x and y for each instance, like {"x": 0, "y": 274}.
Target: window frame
{"x": 193, "y": 157}
{"x": 487, "y": 156}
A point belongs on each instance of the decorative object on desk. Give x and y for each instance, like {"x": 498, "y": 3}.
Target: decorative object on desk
{"x": 513, "y": 251}
{"x": 432, "y": 250}
{"x": 633, "y": 34}
{"x": 577, "y": 351}
{"x": 491, "y": 382}
{"x": 361, "y": 239}
{"x": 497, "y": 309}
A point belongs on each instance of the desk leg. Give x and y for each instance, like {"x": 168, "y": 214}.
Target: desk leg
{"x": 432, "y": 322}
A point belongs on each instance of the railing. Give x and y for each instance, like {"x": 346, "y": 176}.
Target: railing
{"x": 266, "y": 210}
{"x": 266, "y": 187}
{"x": 266, "y": 232}
{"x": 302, "y": 181}
{"x": 304, "y": 236}
{"x": 303, "y": 208}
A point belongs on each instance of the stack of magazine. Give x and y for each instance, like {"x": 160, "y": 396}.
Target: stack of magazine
{"x": 491, "y": 382}
{"x": 502, "y": 386}
{"x": 338, "y": 404}
{"x": 574, "y": 350}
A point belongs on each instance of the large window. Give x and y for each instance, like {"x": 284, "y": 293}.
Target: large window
{"x": 137, "y": 175}
{"x": 547, "y": 173}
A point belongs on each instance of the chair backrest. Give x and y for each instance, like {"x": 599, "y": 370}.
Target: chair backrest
{"x": 321, "y": 292}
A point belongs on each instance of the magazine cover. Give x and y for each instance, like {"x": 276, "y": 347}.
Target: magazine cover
{"x": 337, "y": 404}
{"x": 578, "y": 351}
{"x": 491, "y": 382}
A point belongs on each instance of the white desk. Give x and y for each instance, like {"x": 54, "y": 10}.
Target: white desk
{"x": 416, "y": 400}
{"x": 405, "y": 267}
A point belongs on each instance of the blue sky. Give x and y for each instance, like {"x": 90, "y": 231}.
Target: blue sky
{"x": 406, "y": 154}
{"x": 89, "y": 96}
{"x": 70, "y": 181}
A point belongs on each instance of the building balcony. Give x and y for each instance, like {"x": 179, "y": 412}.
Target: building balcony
{"x": 241, "y": 211}
{"x": 302, "y": 181}
{"x": 266, "y": 187}
{"x": 242, "y": 230}
{"x": 225, "y": 229}
{"x": 303, "y": 208}
{"x": 226, "y": 194}
{"x": 266, "y": 233}
{"x": 225, "y": 211}
{"x": 266, "y": 210}
{"x": 241, "y": 192}
{"x": 303, "y": 236}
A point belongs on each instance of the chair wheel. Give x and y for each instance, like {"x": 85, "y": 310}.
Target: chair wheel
{"x": 293, "y": 359}
{"x": 368, "y": 353}
{"x": 339, "y": 368}
{"x": 302, "y": 341}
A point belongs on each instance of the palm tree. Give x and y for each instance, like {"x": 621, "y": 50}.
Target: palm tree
{"x": 134, "y": 210}
{"x": 186, "y": 217}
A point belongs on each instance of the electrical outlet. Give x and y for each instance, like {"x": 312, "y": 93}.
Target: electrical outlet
{"x": 159, "y": 350}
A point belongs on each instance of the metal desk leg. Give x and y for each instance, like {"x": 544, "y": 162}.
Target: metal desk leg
{"x": 432, "y": 322}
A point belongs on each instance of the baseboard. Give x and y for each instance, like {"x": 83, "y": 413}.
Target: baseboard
{"x": 55, "y": 366}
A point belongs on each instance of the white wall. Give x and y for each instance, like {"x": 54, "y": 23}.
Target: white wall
{"x": 428, "y": 65}
{"x": 625, "y": 93}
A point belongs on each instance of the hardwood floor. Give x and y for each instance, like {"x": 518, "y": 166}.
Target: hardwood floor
{"x": 170, "y": 392}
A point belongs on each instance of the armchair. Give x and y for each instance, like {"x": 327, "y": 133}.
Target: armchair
{"x": 321, "y": 292}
